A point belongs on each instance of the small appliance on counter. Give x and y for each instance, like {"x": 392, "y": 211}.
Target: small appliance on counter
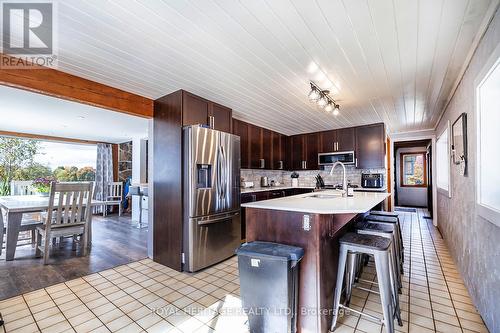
{"x": 264, "y": 181}
{"x": 245, "y": 184}
{"x": 372, "y": 180}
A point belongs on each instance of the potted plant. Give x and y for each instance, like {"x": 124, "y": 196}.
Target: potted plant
{"x": 295, "y": 179}
{"x": 42, "y": 185}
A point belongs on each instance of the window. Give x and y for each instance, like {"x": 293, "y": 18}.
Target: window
{"x": 488, "y": 136}
{"x": 413, "y": 170}
{"x": 443, "y": 162}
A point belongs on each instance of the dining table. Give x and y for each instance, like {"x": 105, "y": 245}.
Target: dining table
{"x": 12, "y": 209}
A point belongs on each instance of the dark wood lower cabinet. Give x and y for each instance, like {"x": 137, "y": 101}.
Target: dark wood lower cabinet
{"x": 265, "y": 195}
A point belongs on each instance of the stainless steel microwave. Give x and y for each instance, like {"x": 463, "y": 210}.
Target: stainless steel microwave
{"x": 346, "y": 157}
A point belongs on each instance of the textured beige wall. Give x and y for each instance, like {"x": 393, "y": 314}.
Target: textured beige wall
{"x": 473, "y": 241}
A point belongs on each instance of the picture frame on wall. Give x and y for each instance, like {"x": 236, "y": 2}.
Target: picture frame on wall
{"x": 459, "y": 143}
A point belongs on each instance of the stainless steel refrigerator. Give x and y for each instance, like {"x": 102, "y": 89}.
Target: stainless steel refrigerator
{"x": 212, "y": 226}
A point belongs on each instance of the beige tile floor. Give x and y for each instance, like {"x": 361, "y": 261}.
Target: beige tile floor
{"x": 147, "y": 297}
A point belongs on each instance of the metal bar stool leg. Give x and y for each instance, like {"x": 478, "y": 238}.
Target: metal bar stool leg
{"x": 395, "y": 291}
{"x": 338, "y": 286}
{"x": 350, "y": 275}
{"x": 382, "y": 262}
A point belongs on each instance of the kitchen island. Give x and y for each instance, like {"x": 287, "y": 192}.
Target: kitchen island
{"x": 315, "y": 222}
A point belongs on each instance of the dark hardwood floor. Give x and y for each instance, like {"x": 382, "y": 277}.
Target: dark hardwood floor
{"x": 115, "y": 241}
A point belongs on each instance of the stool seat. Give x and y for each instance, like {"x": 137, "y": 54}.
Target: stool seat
{"x": 380, "y": 218}
{"x": 382, "y": 213}
{"x": 386, "y": 228}
{"x": 360, "y": 224}
{"x": 366, "y": 241}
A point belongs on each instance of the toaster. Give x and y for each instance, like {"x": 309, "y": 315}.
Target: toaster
{"x": 372, "y": 180}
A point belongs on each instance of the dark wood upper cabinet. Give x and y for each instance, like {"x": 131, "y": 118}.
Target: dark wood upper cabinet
{"x": 311, "y": 151}
{"x": 197, "y": 110}
{"x": 327, "y": 139}
{"x": 222, "y": 115}
{"x": 285, "y": 151}
{"x": 343, "y": 139}
{"x": 264, "y": 149}
{"x": 370, "y": 146}
{"x": 297, "y": 152}
{"x": 276, "y": 139}
{"x": 261, "y": 147}
{"x": 346, "y": 139}
{"x": 240, "y": 128}
{"x": 267, "y": 148}
{"x": 255, "y": 146}
{"x": 279, "y": 151}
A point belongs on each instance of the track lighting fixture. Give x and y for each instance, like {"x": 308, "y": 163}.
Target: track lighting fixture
{"x": 322, "y": 98}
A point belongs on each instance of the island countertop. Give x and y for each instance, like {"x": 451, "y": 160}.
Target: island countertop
{"x": 323, "y": 202}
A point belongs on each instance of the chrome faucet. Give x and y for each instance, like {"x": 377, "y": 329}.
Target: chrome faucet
{"x": 344, "y": 181}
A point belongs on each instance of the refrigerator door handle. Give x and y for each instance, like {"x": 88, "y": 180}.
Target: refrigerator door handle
{"x": 217, "y": 219}
{"x": 224, "y": 173}
{"x": 219, "y": 173}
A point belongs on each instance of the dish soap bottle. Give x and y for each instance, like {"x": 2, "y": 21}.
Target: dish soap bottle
{"x": 350, "y": 190}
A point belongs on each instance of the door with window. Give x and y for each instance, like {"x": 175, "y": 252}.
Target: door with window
{"x": 411, "y": 177}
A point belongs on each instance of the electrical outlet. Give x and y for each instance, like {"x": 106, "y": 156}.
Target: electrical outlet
{"x": 306, "y": 223}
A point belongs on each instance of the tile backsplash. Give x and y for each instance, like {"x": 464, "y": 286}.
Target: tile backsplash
{"x": 307, "y": 178}
{"x": 253, "y": 175}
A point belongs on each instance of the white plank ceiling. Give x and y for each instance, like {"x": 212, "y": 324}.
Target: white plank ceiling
{"x": 394, "y": 61}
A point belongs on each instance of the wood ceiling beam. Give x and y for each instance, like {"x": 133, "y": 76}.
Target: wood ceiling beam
{"x": 48, "y": 138}
{"x": 58, "y": 84}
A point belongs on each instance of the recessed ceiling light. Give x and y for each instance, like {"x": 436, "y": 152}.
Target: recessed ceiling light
{"x": 81, "y": 117}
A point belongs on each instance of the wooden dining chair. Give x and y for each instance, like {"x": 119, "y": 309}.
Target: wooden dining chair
{"x": 114, "y": 197}
{"x": 68, "y": 215}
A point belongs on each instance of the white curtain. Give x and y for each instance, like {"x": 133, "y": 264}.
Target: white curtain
{"x": 103, "y": 173}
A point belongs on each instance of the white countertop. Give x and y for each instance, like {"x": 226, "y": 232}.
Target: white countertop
{"x": 361, "y": 202}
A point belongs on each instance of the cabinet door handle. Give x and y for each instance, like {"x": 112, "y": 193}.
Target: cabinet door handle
{"x": 281, "y": 165}
{"x": 211, "y": 122}
{"x": 356, "y": 160}
{"x": 262, "y": 163}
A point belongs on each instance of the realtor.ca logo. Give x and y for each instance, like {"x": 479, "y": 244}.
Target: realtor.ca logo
{"x": 28, "y": 31}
